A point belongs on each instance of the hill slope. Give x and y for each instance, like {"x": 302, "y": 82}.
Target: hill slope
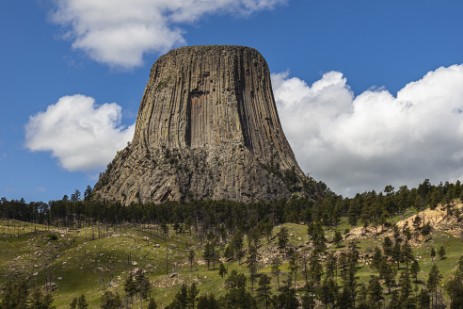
{"x": 93, "y": 259}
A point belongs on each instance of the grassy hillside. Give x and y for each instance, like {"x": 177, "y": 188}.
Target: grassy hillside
{"x": 90, "y": 260}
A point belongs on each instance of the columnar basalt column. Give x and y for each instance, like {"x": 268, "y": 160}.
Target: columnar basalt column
{"x": 207, "y": 128}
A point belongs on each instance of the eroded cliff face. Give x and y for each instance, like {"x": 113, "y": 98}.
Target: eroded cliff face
{"x": 207, "y": 128}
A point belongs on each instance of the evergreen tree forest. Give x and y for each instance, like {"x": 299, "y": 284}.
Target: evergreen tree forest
{"x": 368, "y": 208}
{"x": 324, "y": 276}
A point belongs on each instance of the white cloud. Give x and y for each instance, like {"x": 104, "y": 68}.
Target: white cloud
{"x": 374, "y": 139}
{"x": 81, "y": 135}
{"x": 120, "y": 32}
{"x": 353, "y": 143}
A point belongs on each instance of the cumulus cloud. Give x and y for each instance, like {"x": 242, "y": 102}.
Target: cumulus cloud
{"x": 364, "y": 142}
{"x": 120, "y": 32}
{"x": 81, "y": 135}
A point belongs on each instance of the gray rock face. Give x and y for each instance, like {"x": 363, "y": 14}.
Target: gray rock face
{"x": 207, "y": 128}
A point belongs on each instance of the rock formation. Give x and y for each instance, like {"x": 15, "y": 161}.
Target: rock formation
{"x": 207, "y": 128}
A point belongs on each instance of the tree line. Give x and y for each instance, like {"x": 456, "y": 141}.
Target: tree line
{"x": 368, "y": 208}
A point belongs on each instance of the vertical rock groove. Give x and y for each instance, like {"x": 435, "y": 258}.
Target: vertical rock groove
{"x": 188, "y": 122}
{"x": 207, "y": 128}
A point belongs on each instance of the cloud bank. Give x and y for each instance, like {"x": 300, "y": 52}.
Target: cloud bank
{"x": 364, "y": 142}
{"x": 120, "y": 32}
{"x": 81, "y": 135}
{"x": 353, "y": 143}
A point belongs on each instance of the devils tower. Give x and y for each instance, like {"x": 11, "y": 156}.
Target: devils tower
{"x": 207, "y": 128}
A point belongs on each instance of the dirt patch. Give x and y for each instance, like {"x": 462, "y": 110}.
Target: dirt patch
{"x": 442, "y": 218}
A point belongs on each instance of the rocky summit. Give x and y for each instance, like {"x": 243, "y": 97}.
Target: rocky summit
{"x": 207, "y": 129}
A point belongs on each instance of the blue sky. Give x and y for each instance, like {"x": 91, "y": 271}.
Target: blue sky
{"x": 369, "y": 92}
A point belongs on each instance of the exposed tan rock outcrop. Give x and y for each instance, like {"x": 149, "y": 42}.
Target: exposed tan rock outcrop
{"x": 207, "y": 128}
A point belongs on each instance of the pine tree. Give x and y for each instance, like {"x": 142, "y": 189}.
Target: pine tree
{"x": 417, "y": 222}
{"x": 236, "y": 295}
{"x": 252, "y": 263}
{"x": 180, "y": 299}
{"x": 394, "y": 303}
{"x": 331, "y": 265}
{"x": 142, "y": 285}
{"x": 344, "y": 300}
{"x": 286, "y": 297}
{"x": 264, "y": 290}
{"x": 352, "y": 215}
{"x": 193, "y": 293}
{"x": 317, "y": 235}
{"x": 397, "y": 253}
{"x": 191, "y": 258}
{"x": 40, "y": 301}
{"x": 375, "y": 292}
{"x": 73, "y": 304}
{"x": 351, "y": 276}
{"x": 362, "y": 294}
{"x": 424, "y": 299}
{"x": 388, "y": 246}
{"x": 294, "y": 264}
{"x": 377, "y": 259}
{"x": 415, "y": 269}
{"x": 82, "y": 302}
{"x": 343, "y": 265}
{"x": 130, "y": 287}
{"x": 329, "y": 292}
{"x": 207, "y": 254}
{"x": 433, "y": 253}
{"x": 75, "y": 197}
{"x": 442, "y": 253}
{"x": 15, "y": 295}
{"x": 433, "y": 281}
{"x": 236, "y": 246}
{"x": 275, "y": 269}
{"x": 283, "y": 238}
{"x": 109, "y": 300}
{"x": 208, "y": 301}
{"x": 308, "y": 297}
{"x": 405, "y": 285}
{"x": 408, "y": 233}
{"x": 407, "y": 253}
{"x": 315, "y": 267}
{"x": 88, "y": 193}
{"x": 387, "y": 273}
{"x": 454, "y": 288}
